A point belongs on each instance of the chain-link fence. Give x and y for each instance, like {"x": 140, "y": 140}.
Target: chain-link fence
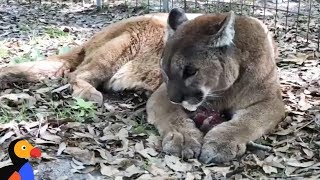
{"x": 295, "y": 22}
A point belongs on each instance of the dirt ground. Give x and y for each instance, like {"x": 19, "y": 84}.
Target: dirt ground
{"x": 80, "y": 141}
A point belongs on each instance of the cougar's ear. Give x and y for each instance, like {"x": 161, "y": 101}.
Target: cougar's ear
{"x": 225, "y": 34}
{"x": 176, "y": 17}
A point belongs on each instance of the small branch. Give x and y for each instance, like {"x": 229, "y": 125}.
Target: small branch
{"x": 303, "y": 126}
{"x": 247, "y": 176}
{"x": 256, "y": 146}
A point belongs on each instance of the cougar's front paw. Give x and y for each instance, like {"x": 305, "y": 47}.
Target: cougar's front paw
{"x": 89, "y": 94}
{"x": 220, "y": 150}
{"x": 185, "y": 143}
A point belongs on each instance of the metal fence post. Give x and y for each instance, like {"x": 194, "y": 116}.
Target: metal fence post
{"x": 99, "y": 4}
{"x": 165, "y": 5}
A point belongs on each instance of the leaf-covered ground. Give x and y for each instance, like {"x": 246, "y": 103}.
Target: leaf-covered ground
{"x": 80, "y": 141}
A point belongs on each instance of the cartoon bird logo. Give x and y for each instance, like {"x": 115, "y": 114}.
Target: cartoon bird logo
{"x": 19, "y": 152}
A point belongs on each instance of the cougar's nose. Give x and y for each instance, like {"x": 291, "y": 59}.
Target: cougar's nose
{"x": 175, "y": 95}
{"x": 176, "y": 99}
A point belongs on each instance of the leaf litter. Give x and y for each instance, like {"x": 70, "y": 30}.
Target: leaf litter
{"x": 80, "y": 141}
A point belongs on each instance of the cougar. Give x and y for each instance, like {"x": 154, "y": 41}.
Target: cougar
{"x": 187, "y": 61}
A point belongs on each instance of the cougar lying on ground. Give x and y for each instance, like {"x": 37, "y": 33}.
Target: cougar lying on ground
{"x": 223, "y": 61}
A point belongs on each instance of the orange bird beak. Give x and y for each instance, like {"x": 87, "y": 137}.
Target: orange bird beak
{"x": 35, "y": 153}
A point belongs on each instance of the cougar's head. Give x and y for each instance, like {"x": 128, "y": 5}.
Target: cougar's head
{"x": 197, "y": 61}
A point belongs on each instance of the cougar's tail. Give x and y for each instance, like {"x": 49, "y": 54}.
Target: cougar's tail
{"x": 7, "y": 79}
{"x": 52, "y": 67}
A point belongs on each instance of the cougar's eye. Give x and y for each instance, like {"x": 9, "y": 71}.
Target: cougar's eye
{"x": 189, "y": 71}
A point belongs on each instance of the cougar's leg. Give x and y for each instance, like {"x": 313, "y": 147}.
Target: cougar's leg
{"x": 52, "y": 67}
{"x": 228, "y": 140}
{"x": 180, "y": 135}
{"x": 137, "y": 74}
{"x": 99, "y": 66}
{"x": 69, "y": 61}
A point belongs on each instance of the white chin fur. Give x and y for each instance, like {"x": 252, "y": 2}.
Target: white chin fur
{"x": 189, "y": 107}
{"x": 194, "y": 107}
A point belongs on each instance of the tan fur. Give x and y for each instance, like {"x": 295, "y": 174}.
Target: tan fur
{"x": 126, "y": 55}
{"x": 243, "y": 81}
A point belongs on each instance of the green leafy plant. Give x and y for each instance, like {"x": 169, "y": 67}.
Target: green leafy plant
{"x": 83, "y": 109}
{"x": 82, "y": 104}
{"x": 34, "y": 55}
{"x": 55, "y": 32}
{"x": 10, "y": 114}
{"x": 140, "y": 125}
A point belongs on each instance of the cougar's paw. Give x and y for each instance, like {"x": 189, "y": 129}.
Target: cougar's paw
{"x": 185, "y": 143}
{"x": 51, "y": 68}
{"x": 220, "y": 150}
{"x": 89, "y": 94}
{"x": 62, "y": 72}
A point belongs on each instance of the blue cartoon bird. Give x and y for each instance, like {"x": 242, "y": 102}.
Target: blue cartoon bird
{"x": 19, "y": 152}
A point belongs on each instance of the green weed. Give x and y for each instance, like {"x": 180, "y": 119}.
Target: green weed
{"x": 24, "y": 28}
{"x": 34, "y": 55}
{"x": 9, "y": 114}
{"x": 83, "y": 109}
{"x": 55, "y": 32}
{"x": 142, "y": 126}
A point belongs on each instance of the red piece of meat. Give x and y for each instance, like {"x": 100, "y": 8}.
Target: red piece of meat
{"x": 205, "y": 119}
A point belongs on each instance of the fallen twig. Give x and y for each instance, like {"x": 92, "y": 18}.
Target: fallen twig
{"x": 247, "y": 176}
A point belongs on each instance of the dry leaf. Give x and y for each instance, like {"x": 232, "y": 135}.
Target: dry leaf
{"x": 269, "y": 169}
{"x": 299, "y": 59}
{"x": 76, "y": 166}
{"x": 45, "y": 155}
{"x": 219, "y": 170}
{"x": 190, "y": 176}
{"x": 289, "y": 170}
{"x": 132, "y": 170}
{"x": 145, "y": 177}
{"x": 122, "y": 134}
{"x": 6, "y": 163}
{"x": 317, "y": 119}
{"x": 50, "y": 137}
{"x": 303, "y": 103}
{"x": 296, "y": 163}
{"x": 283, "y": 149}
{"x": 284, "y": 132}
{"x": 148, "y": 152}
{"x": 109, "y": 107}
{"x": 61, "y": 88}
{"x": 308, "y": 152}
{"x": 105, "y": 154}
{"x": 19, "y": 98}
{"x": 128, "y": 106}
{"x": 154, "y": 170}
{"x": 81, "y": 135}
{"x": 83, "y": 155}
{"x": 139, "y": 146}
{"x": 6, "y": 136}
{"x": 174, "y": 163}
{"x": 62, "y": 147}
{"x": 108, "y": 170}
